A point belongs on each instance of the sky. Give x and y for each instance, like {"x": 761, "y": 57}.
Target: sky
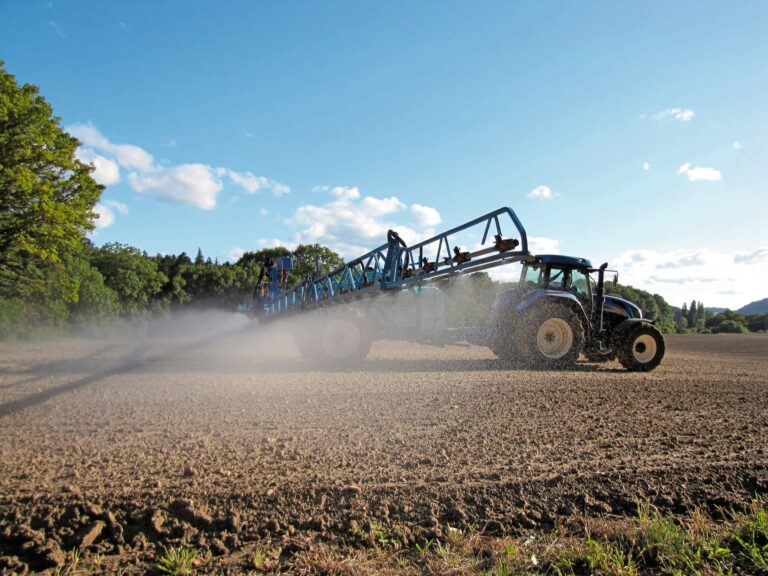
{"x": 629, "y": 132}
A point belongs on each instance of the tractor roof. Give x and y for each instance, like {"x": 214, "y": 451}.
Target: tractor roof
{"x": 557, "y": 259}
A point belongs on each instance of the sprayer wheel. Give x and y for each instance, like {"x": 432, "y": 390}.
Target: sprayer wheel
{"x": 342, "y": 338}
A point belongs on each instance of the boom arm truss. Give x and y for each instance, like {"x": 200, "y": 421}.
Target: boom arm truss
{"x": 396, "y": 266}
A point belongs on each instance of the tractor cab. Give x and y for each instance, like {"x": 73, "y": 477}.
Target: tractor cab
{"x": 577, "y": 277}
{"x": 558, "y": 273}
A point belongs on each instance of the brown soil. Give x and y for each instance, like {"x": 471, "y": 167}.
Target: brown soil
{"x": 119, "y": 446}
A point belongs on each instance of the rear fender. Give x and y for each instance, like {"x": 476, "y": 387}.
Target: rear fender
{"x": 538, "y": 297}
{"x": 557, "y": 296}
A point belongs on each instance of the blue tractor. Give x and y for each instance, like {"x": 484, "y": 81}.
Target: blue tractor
{"x": 559, "y": 310}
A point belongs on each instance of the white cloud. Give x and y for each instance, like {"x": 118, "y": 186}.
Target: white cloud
{"x": 543, "y": 245}
{"x": 381, "y": 206}
{"x": 127, "y": 155}
{"x": 737, "y": 146}
{"x": 106, "y": 212}
{"x": 105, "y": 216}
{"x": 343, "y": 193}
{"x": 263, "y": 211}
{"x": 755, "y": 257}
{"x": 647, "y": 166}
{"x": 679, "y": 275}
{"x": 275, "y": 242}
{"x": 252, "y": 183}
{"x": 193, "y": 184}
{"x": 106, "y": 172}
{"x": 543, "y": 192}
{"x": 235, "y": 253}
{"x": 681, "y": 114}
{"x": 696, "y": 173}
{"x": 425, "y": 216}
{"x": 353, "y": 224}
{"x": 117, "y": 206}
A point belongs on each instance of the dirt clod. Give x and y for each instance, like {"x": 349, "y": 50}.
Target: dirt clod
{"x": 91, "y": 534}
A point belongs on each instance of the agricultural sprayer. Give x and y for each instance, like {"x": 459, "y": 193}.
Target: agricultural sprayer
{"x": 557, "y": 311}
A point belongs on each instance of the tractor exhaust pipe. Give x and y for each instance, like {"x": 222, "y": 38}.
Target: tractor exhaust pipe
{"x": 601, "y": 293}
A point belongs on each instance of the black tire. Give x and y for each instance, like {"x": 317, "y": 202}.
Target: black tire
{"x": 642, "y": 348}
{"x": 552, "y": 336}
{"x": 342, "y": 339}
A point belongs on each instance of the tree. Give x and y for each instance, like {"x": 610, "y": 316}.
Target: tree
{"x": 307, "y": 257}
{"x": 730, "y": 327}
{"x": 728, "y": 321}
{"x": 692, "y": 315}
{"x": 46, "y": 195}
{"x": 96, "y": 302}
{"x": 132, "y": 275}
{"x": 199, "y": 259}
{"x": 263, "y": 256}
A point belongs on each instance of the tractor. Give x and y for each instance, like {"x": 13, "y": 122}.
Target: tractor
{"x": 559, "y": 310}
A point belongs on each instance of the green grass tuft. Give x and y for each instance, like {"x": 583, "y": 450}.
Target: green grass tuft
{"x": 177, "y": 561}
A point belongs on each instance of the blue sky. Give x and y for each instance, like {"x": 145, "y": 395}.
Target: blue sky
{"x": 634, "y": 133}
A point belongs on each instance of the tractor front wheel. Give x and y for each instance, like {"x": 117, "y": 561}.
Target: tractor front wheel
{"x": 642, "y": 349}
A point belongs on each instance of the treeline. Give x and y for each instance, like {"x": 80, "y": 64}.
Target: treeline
{"x": 695, "y": 318}
{"x": 100, "y": 285}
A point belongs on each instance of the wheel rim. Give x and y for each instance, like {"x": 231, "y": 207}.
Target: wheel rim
{"x": 554, "y": 338}
{"x": 644, "y": 348}
{"x": 340, "y": 338}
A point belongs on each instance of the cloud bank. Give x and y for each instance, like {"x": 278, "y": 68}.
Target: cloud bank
{"x": 193, "y": 184}
{"x": 352, "y": 224}
{"x": 718, "y": 278}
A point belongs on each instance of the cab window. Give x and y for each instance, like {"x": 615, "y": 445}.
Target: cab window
{"x": 558, "y": 278}
{"x": 532, "y": 276}
{"x": 580, "y": 282}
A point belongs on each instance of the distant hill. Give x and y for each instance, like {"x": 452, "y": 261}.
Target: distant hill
{"x": 715, "y": 310}
{"x": 757, "y": 307}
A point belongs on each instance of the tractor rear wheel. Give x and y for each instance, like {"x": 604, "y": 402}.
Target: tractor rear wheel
{"x": 552, "y": 336}
{"x": 642, "y": 349}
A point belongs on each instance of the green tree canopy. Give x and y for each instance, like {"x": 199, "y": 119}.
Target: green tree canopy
{"x": 307, "y": 256}
{"x": 46, "y": 195}
{"x": 132, "y": 275}
{"x": 263, "y": 256}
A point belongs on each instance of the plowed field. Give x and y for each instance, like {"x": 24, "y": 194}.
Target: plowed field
{"x": 119, "y": 445}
